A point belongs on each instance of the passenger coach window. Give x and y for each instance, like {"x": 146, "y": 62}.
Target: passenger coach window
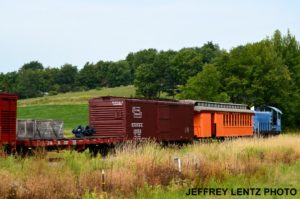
{"x": 243, "y": 119}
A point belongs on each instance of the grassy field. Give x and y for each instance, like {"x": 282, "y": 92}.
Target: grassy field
{"x": 72, "y": 115}
{"x": 78, "y": 97}
{"x": 71, "y": 107}
{"x": 149, "y": 171}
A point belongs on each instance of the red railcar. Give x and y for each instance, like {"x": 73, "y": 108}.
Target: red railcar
{"x": 8, "y": 109}
{"x": 138, "y": 119}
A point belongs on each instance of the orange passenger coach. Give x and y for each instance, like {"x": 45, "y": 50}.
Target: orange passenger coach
{"x": 213, "y": 119}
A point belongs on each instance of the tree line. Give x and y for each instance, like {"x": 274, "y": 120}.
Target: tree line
{"x": 264, "y": 72}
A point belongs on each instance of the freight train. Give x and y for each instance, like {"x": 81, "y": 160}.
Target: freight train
{"x": 117, "y": 119}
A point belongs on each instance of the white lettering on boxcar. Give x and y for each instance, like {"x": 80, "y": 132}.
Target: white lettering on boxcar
{"x": 137, "y": 112}
{"x": 137, "y": 125}
{"x": 117, "y": 103}
{"x": 137, "y": 133}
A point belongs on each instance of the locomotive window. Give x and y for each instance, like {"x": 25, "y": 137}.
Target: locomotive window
{"x": 274, "y": 121}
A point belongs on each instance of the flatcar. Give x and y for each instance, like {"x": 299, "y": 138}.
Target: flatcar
{"x": 267, "y": 120}
{"x": 11, "y": 143}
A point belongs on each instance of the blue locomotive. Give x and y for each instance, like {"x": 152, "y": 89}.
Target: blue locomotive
{"x": 267, "y": 120}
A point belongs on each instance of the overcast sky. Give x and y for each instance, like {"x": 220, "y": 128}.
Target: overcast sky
{"x": 56, "y": 32}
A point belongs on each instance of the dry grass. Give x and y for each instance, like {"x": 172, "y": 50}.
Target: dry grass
{"x": 133, "y": 167}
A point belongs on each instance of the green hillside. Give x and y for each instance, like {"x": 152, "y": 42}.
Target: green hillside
{"x": 71, "y": 107}
{"x": 78, "y": 97}
{"x": 72, "y": 115}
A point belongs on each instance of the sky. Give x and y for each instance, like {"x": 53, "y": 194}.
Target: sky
{"x": 55, "y": 32}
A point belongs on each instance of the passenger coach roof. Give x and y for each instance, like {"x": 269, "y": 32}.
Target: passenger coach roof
{"x": 215, "y": 109}
{"x": 216, "y": 104}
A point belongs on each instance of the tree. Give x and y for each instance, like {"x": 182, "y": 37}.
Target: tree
{"x": 159, "y": 76}
{"x": 134, "y": 60}
{"x": 204, "y": 86}
{"x": 8, "y": 82}
{"x": 87, "y": 76}
{"x": 118, "y": 74}
{"x": 170, "y": 76}
{"x": 188, "y": 62}
{"x": 102, "y": 73}
{"x": 288, "y": 48}
{"x": 209, "y": 52}
{"x": 147, "y": 81}
{"x": 50, "y": 75}
{"x": 31, "y": 83}
{"x": 33, "y": 65}
{"x": 255, "y": 74}
{"x": 66, "y": 77}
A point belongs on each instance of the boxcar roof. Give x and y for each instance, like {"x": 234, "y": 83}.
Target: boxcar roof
{"x": 108, "y": 98}
{"x": 8, "y": 95}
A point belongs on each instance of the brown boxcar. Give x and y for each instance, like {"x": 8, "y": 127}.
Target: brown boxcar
{"x": 138, "y": 119}
{"x": 8, "y": 109}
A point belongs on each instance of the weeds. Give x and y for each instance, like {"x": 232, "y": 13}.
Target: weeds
{"x": 141, "y": 170}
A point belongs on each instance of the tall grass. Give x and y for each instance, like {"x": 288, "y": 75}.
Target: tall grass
{"x": 149, "y": 170}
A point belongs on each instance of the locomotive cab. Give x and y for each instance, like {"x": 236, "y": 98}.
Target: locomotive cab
{"x": 267, "y": 120}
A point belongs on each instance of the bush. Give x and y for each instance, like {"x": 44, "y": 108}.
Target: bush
{"x": 52, "y": 93}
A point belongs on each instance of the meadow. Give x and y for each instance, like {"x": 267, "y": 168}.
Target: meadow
{"x": 150, "y": 171}
{"x": 78, "y": 97}
{"x": 144, "y": 171}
